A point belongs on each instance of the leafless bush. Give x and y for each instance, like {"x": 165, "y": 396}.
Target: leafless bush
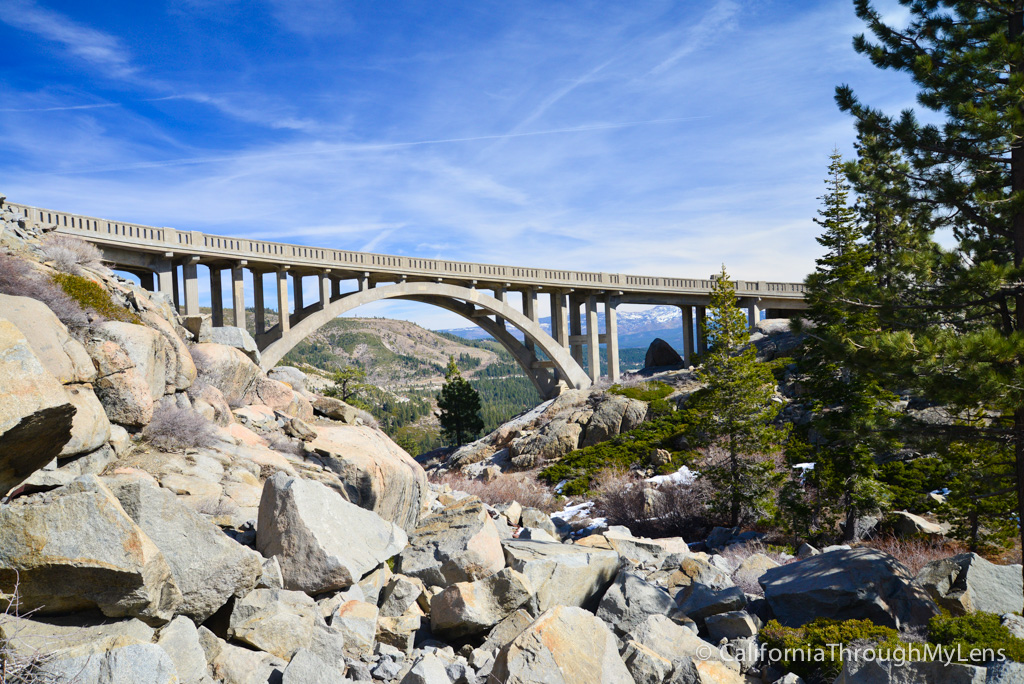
{"x": 20, "y": 664}
{"x": 506, "y": 488}
{"x": 915, "y": 553}
{"x": 747, "y": 579}
{"x": 69, "y": 253}
{"x": 670, "y": 509}
{"x": 216, "y": 506}
{"x": 367, "y": 418}
{"x": 180, "y": 428}
{"x": 202, "y": 360}
{"x": 18, "y": 279}
{"x": 285, "y": 445}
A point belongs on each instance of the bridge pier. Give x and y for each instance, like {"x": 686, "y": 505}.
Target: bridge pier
{"x": 258, "y": 302}
{"x": 753, "y": 312}
{"x": 702, "y": 333}
{"x": 297, "y": 291}
{"x": 530, "y": 311}
{"x": 687, "y": 334}
{"x": 216, "y": 298}
{"x": 282, "y": 301}
{"x": 165, "y": 279}
{"x": 575, "y": 329}
{"x": 325, "y": 290}
{"x": 177, "y": 288}
{"x": 611, "y": 329}
{"x": 190, "y": 275}
{"x": 238, "y": 295}
{"x": 147, "y": 280}
{"x": 593, "y": 343}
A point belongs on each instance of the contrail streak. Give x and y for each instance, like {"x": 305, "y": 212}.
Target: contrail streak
{"x": 360, "y": 147}
{"x": 62, "y": 109}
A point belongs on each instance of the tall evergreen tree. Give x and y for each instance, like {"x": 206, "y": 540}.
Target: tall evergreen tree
{"x": 850, "y": 409}
{"x": 967, "y": 60}
{"x": 734, "y": 412}
{"x": 459, "y": 406}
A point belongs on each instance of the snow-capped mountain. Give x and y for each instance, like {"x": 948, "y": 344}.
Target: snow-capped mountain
{"x": 637, "y": 329}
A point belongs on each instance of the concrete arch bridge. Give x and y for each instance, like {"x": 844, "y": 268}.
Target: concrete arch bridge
{"x": 168, "y": 260}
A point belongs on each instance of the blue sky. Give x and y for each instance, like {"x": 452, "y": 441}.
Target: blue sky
{"x": 648, "y": 137}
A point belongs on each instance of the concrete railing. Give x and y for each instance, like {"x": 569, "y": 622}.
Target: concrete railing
{"x": 271, "y": 255}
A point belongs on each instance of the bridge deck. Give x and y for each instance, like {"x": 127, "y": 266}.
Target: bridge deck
{"x": 271, "y": 256}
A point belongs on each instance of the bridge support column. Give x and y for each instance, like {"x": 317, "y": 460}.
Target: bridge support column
{"x": 559, "y": 324}
{"x": 530, "y": 310}
{"x": 191, "y": 277}
{"x": 258, "y": 302}
{"x": 216, "y": 298}
{"x": 499, "y": 294}
{"x": 702, "y": 321}
{"x": 335, "y": 289}
{"x": 687, "y": 335}
{"x": 147, "y": 281}
{"x": 176, "y": 295}
{"x": 593, "y": 343}
{"x": 611, "y": 329}
{"x": 238, "y": 296}
{"x": 575, "y": 329}
{"x": 165, "y": 280}
{"x": 325, "y": 290}
{"x": 282, "y": 301}
{"x": 364, "y": 282}
{"x": 297, "y": 291}
{"x": 753, "y": 313}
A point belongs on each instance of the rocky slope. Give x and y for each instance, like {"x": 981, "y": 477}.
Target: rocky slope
{"x": 176, "y": 515}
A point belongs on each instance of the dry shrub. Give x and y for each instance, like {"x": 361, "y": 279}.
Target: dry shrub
{"x": 202, "y": 361}
{"x": 18, "y": 279}
{"x": 286, "y": 445}
{"x": 914, "y": 552}
{"x": 670, "y": 509}
{"x": 367, "y": 418}
{"x": 69, "y": 254}
{"x": 19, "y": 665}
{"x": 216, "y": 506}
{"x": 180, "y": 428}
{"x": 747, "y": 580}
{"x": 506, "y": 488}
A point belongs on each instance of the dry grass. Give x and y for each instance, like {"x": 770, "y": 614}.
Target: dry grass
{"x": 367, "y": 418}
{"x": 69, "y": 254}
{"x": 19, "y": 665}
{"x": 18, "y": 279}
{"x": 916, "y": 553}
{"x": 180, "y": 428}
{"x": 285, "y": 445}
{"x": 623, "y": 498}
{"x": 747, "y": 580}
{"x": 522, "y": 487}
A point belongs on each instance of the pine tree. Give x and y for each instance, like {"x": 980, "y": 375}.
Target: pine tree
{"x": 967, "y": 60}
{"x": 851, "y": 410}
{"x": 734, "y": 413}
{"x": 459, "y": 406}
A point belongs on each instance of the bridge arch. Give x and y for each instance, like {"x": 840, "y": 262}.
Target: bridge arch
{"x": 471, "y": 304}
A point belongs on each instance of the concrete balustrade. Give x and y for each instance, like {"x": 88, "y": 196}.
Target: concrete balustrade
{"x": 166, "y": 260}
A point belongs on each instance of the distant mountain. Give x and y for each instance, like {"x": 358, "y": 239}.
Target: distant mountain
{"x": 637, "y": 329}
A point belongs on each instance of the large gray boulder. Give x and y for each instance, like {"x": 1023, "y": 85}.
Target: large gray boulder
{"x": 322, "y": 541}
{"x": 677, "y": 643}
{"x": 123, "y": 391}
{"x": 148, "y": 350}
{"x": 660, "y": 353}
{"x": 563, "y": 574}
{"x": 699, "y": 600}
{"x": 967, "y": 583}
{"x": 180, "y": 639}
{"x": 239, "y": 338}
{"x": 845, "y": 584}
{"x": 276, "y": 621}
{"x": 90, "y": 428}
{"x": 226, "y": 368}
{"x": 552, "y": 441}
{"x": 467, "y": 608}
{"x": 378, "y": 475}
{"x": 565, "y": 645}
{"x": 115, "y": 660}
{"x": 85, "y": 552}
{"x": 208, "y": 566}
{"x": 36, "y": 416}
{"x": 861, "y": 671}
{"x": 631, "y": 599}
{"x": 614, "y": 414}
{"x": 62, "y": 356}
{"x": 459, "y": 543}
{"x": 307, "y": 667}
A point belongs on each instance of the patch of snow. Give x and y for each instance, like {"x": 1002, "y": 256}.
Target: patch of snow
{"x": 683, "y": 476}
{"x": 804, "y": 466}
{"x": 580, "y": 510}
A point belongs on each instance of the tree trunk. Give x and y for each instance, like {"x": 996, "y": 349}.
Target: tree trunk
{"x": 1016, "y": 30}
